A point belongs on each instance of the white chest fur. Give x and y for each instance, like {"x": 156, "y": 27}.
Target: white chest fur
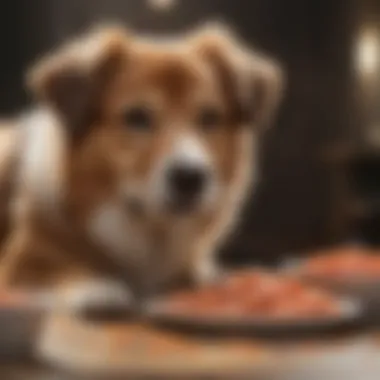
{"x": 134, "y": 245}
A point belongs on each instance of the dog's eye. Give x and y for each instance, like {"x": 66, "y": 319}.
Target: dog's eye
{"x": 138, "y": 117}
{"x": 209, "y": 118}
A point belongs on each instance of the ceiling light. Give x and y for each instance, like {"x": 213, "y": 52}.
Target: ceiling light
{"x": 367, "y": 52}
{"x": 161, "y": 5}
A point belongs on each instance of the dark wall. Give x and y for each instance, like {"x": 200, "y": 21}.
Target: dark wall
{"x": 313, "y": 40}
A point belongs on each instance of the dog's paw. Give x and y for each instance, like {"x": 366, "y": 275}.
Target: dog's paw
{"x": 98, "y": 300}
{"x": 207, "y": 272}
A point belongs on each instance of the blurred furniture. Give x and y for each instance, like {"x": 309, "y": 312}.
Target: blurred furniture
{"x": 355, "y": 173}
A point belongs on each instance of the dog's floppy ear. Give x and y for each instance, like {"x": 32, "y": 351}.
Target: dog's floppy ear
{"x": 253, "y": 83}
{"x": 72, "y": 79}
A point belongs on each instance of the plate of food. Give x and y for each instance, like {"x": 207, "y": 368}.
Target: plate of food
{"x": 21, "y": 315}
{"x": 352, "y": 270}
{"x": 257, "y": 302}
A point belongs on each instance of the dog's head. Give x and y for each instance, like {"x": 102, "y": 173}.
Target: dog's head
{"x": 160, "y": 127}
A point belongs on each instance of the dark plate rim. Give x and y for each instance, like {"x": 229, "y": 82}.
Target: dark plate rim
{"x": 352, "y": 312}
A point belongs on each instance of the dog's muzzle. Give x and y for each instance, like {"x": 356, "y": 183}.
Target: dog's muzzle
{"x": 186, "y": 185}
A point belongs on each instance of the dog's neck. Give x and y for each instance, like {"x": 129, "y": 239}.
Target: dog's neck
{"x": 155, "y": 248}
{"x": 144, "y": 252}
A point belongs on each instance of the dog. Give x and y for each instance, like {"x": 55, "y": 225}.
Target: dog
{"x": 134, "y": 163}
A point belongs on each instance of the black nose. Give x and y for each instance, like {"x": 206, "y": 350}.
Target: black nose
{"x": 186, "y": 182}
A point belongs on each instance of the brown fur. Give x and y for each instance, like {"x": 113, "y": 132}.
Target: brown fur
{"x": 87, "y": 90}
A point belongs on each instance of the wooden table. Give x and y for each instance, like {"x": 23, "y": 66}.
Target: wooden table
{"x": 134, "y": 351}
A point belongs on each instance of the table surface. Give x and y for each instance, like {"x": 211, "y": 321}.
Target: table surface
{"x": 352, "y": 356}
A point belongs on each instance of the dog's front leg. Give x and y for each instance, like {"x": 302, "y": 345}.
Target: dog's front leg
{"x": 207, "y": 270}
{"x": 96, "y": 299}
{"x": 205, "y": 267}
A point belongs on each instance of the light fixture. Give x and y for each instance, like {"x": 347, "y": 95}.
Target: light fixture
{"x": 367, "y": 52}
{"x": 162, "y": 5}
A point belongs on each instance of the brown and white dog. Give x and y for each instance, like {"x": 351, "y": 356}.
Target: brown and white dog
{"x": 135, "y": 162}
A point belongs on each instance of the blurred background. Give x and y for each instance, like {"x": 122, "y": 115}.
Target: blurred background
{"x": 320, "y": 180}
